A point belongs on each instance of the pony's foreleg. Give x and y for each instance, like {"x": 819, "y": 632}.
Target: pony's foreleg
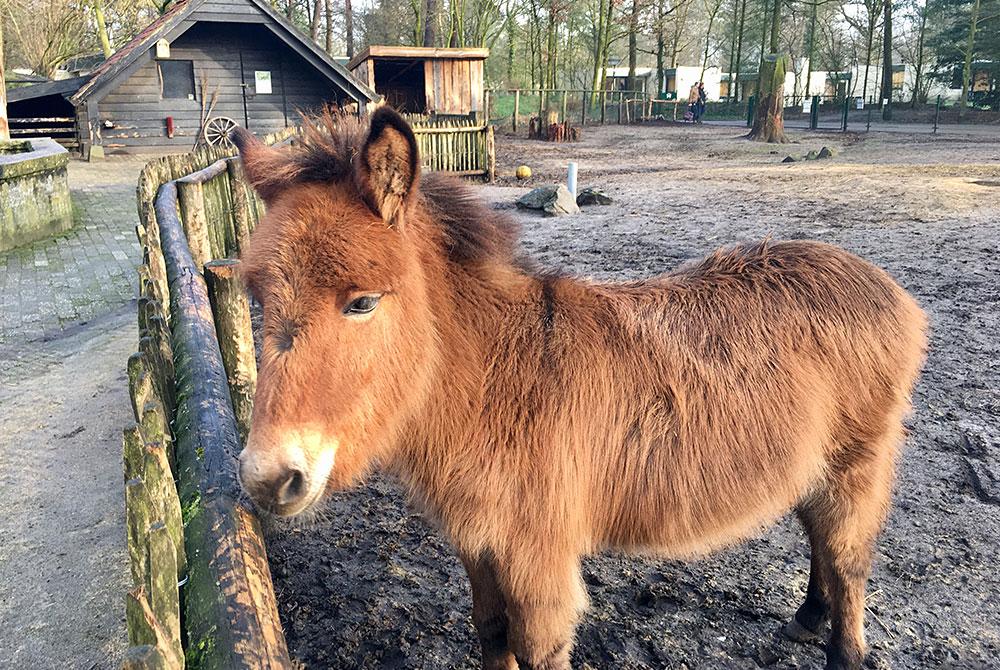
{"x": 489, "y": 613}
{"x": 545, "y": 596}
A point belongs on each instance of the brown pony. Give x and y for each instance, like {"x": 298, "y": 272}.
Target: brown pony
{"x": 537, "y": 418}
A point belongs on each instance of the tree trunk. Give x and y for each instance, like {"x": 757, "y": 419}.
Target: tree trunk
{"x": 810, "y": 48}
{"x": 349, "y": 24}
{"x": 102, "y": 29}
{"x": 732, "y": 46}
{"x": 510, "y": 48}
{"x": 768, "y": 121}
{"x": 919, "y": 69}
{"x": 970, "y": 47}
{"x": 661, "y": 47}
{"x": 430, "y": 24}
{"x": 328, "y": 12}
{"x": 868, "y": 52}
{"x": 735, "y": 83}
{"x": 4, "y": 126}
{"x": 314, "y": 21}
{"x": 708, "y": 40}
{"x": 633, "y": 44}
{"x": 887, "y": 61}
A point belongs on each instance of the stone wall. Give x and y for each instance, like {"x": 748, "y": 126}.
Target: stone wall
{"x": 34, "y": 191}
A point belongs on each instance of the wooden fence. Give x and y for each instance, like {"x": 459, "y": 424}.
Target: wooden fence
{"x": 512, "y": 108}
{"x": 61, "y": 129}
{"x": 462, "y": 146}
{"x": 196, "y": 552}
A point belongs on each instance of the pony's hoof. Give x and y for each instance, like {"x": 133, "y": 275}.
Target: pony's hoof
{"x": 796, "y": 632}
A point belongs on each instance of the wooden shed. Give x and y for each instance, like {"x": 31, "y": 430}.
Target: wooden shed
{"x": 204, "y": 65}
{"x": 424, "y": 80}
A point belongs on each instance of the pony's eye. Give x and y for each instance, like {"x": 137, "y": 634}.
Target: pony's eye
{"x": 362, "y": 305}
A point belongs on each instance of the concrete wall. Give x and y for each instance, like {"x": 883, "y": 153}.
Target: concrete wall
{"x": 34, "y": 193}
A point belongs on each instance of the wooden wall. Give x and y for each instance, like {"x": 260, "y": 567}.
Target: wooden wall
{"x": 453, "y": 86}
{"x": 138, "y": 111}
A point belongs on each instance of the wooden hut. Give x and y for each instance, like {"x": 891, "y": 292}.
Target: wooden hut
{"x": 198, "y": 70}
{"x": 423, "y": 80}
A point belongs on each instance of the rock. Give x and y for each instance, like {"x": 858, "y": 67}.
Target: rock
{"x": 536, "y": 197}
{"x": 789, "y": 159}
{"x": 825, "y": 152}
{"x": 766, "y": 656}
{"x": 592, "y": 196}
{"x": 812, "y": 155}
{"x": 552, "y": 200}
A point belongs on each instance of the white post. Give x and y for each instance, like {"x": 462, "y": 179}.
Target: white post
{"x": 571, "y": 178}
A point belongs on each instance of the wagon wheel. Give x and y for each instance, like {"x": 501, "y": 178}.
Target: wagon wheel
{"x": 217, "y": 130}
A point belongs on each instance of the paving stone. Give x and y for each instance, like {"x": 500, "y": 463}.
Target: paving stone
{"x": 89, "y": 271}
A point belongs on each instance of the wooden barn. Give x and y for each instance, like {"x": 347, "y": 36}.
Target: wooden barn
{"x": 424, "y": 80}
{"x": 194, "y": 73}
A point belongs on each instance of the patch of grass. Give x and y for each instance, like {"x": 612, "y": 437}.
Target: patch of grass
{"x": 190, "y": 508}
{"x": 199, "y": 650}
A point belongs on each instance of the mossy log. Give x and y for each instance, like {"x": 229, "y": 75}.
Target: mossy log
{"x": 231, "y": 310}
{"x": 230, "y": 613}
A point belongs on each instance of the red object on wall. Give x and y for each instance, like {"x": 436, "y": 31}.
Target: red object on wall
{"x": 170, "y": 126}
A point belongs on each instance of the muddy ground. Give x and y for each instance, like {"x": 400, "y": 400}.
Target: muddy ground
{"x": 371, "y": 585}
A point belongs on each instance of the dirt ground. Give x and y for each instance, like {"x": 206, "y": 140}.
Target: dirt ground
{"x": 371, "y": 585}
{"x": 63, "y": 567}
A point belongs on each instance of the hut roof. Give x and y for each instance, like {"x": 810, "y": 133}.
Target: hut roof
{"x": 421, "y": 53}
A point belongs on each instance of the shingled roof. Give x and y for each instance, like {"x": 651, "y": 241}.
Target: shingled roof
{"x": 168, "y": 25}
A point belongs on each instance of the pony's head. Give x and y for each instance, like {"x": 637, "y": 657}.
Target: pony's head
{"x": 348, "y": 342}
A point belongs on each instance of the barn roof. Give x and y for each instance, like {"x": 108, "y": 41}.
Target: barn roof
{"x": 176, "y": 20}
{"x": 59, "y": 87}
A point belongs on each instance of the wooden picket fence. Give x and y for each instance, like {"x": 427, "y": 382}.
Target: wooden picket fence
{"x": 462, "y": 146}
{"x": 196, "y": 553}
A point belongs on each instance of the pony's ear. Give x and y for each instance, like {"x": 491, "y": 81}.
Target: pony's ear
{"x": 388, "y": 165}
{"x": 260, "y": 162}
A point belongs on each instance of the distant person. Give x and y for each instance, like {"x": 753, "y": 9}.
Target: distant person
{"x": 700, "y": 100}
{"x": 692, "y": 110}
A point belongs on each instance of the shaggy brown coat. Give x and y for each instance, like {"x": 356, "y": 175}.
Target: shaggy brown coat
{"x": 538, "y": 418}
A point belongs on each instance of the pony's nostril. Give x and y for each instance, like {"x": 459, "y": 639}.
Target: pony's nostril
{"x": 293, "y": 488}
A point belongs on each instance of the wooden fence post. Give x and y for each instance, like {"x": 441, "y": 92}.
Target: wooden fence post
{"x": 604, "y": 106}
{"x": 565, "y": 101}
{"x": 231, "y": 310}
{"x": 191, "y": 199}
{"x": 517, "y": 109}
{"x": 491, "y": 155}
{"x": 244, "y": 210}
{"x": 584, "y": 101}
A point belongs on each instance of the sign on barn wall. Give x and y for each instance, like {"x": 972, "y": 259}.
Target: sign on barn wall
{"x": 262, "y": 81}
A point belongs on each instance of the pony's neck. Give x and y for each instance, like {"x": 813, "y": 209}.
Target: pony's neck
{"x": 486, "y": 316}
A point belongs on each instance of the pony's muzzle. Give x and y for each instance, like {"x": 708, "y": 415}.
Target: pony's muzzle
{"x": 279, "y": 488}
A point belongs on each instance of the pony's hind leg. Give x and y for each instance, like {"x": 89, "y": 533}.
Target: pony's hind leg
{"x": 843, "y": 522}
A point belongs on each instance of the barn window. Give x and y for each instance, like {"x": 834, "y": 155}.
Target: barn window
{"x": 177, "y": 79}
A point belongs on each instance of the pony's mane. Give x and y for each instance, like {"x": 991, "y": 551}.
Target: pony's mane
{"x": 326, "y": 151}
